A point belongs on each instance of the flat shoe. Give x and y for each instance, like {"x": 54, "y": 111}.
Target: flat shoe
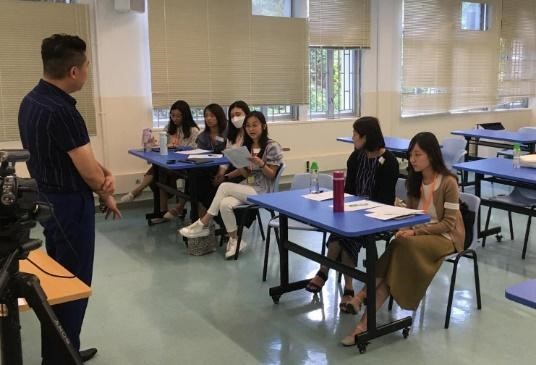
{"x": 343, "y": 305}
{"x": 348, "y": 341}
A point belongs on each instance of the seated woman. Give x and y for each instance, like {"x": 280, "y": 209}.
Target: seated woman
{"x": 411, "y": 260}
{"x": 259, "y": 179}
{"x": 182, "y": 132}
{"x": 212, "y": 138}
{"x": 235, "y": 137}
{"x": 372, "y": 171}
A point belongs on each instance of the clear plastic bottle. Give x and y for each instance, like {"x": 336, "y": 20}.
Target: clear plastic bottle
{"x": 163, "y": 143}
{"x": 314, "y": 188}
{"x": 516, "y": 160}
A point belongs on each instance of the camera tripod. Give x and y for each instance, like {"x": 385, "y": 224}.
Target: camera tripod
{"x": 15, "y": 284}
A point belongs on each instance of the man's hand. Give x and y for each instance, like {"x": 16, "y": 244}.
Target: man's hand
{"x": 111, "y": 207}
{"x": 108, "y": 187}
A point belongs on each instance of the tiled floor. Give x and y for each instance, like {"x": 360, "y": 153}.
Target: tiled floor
{"x": 154, "y": 304}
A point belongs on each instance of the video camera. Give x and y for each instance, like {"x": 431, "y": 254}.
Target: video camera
{"x": 20, "y": 207}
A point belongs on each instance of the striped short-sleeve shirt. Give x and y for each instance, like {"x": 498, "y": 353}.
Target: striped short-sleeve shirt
{"x": 50, "y": 126}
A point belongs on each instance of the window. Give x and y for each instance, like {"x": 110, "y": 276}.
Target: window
{"x": 280, "y": 8}
{"x": 474, "y": 16}
{"x": 161, "y": 117}
{"x": 457, "y": 58}
{"x": 333, "y": 82}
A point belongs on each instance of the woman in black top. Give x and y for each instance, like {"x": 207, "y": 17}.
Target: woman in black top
{"x": 372, "y": 171}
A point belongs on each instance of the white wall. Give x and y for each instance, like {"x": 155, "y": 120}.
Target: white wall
{"x": 122, "y": 72}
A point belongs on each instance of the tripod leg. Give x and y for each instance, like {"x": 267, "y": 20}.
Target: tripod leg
{"x": 30, "y": 289}
{"x": 11, "y": 349}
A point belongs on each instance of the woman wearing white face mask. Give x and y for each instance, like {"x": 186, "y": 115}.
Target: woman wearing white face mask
{"x": 235, "y": 138}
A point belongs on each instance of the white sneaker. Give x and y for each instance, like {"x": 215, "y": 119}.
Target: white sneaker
{"x": 194, "y": 230}
{"x": 127, "y": 198}
{"x": 231, "y": 247}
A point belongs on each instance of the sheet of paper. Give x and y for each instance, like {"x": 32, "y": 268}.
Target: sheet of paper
{"x": 324, "y": 195}
{"x": 385, "y": 212}
{"x": 196, "y": 151}
{"x": 360, "y": 205}
{"x": 239, "y": 156}
{"x": 207, "y": 156}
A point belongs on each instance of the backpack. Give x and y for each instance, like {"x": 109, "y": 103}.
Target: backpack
{"x": 468, "y": 218}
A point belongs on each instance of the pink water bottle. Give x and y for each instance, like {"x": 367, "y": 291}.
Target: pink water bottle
{"x": 338, "y": 191}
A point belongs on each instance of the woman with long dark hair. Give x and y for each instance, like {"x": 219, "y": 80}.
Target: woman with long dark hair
{"x": 411, "y": 260}
{"x": 266, "y": 157}
{"x": 372, "y": 171}
{"x": 182, "y": 131}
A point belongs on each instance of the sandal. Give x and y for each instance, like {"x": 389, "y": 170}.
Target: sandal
{"x": 353, "y": 306}
{"x": 315, "y": 288}
{"x": 347, "y": 296}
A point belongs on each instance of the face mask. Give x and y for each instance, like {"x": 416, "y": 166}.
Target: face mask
{"x": 238, "y": 121}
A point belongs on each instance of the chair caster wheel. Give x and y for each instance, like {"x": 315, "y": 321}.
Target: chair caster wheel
{"x": 362, "y": 348}
{"x": 499, "y": 237}
{"x": 275, "y": 299}
{"x": 405, "y": 332}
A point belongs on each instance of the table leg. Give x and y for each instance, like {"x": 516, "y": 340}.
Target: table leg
{"x": 478, "y": 192}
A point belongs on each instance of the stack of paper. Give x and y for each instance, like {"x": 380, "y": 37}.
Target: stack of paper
{"x": 385, "y": 212}
{"x": 324, "y": 195}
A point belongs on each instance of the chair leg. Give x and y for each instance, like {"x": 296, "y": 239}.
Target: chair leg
{"x": 391, "y": 301}
{"x": 266, "y": 253}
{"x": 259, "y": 220}
{"x": 477, "y": 281}
{"x": 451, "y": 292}
{"x": 511, "y": 227}
{"x": 486, "y": 227}
{"x": 339, "y": 277}
{"x": 324, "y": 235}
{"x": 527, "y": 233}
{"x": 239, "y": 234}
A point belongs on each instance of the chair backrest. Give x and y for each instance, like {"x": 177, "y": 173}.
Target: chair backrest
{"x": 400, "y": 189}
{"x": 280, "y": 170}
{"x": 453, "y": 150}
{"x": 473, "y": 203}
{"x": 303, "y": 181}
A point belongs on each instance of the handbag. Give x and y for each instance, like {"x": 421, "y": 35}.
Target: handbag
{"x": 200, "y": 246}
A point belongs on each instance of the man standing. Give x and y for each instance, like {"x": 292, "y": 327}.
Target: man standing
{"x": 67, "y": 173}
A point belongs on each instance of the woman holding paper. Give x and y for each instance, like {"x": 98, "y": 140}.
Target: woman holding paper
{"x": 235, "y": 138}
{"x": 411, "y": 260}
{"x": 372, "y": 172}
{"x": 259, "y": 178}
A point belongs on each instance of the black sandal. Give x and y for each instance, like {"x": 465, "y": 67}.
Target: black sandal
{"x": 343, "y": 305}
{"x": 353, "y": 309}
{"x": 315, "y": 288}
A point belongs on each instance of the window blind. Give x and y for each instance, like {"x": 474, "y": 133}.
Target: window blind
{"x": 217, "y": 51}
{"x": 339, "y": 23}
{"x": 23, "y": 25}
{"x": 517, "y": 63}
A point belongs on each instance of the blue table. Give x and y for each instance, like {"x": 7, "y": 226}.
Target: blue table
{"x": 523, "y": 293}
{"x": 174, "y": 162}
{"x": 473, "y": 136}
{"x": 398, "y": 146}
{"x": 502, "y": 171}
{"x": 291, "y": 204}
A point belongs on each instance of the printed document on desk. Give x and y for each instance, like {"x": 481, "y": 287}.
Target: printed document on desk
{"x": 206, "y": 156}
{"x": 323, "y": 195}
{"x": 196, "y": 151}
{"x": 360, "y": 205}
{"x": 385, "y": 212}
{"x": 239, "y": 156}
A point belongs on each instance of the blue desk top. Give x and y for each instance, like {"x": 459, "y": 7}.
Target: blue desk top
{"x": 320, "y": 214}
{"x": 500, "y": 135}
{"x": 393, "y": 144}
{"x": 180, "y": 160}
{"x": 499, "y": 167}
{"x": 524, "y": 293}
